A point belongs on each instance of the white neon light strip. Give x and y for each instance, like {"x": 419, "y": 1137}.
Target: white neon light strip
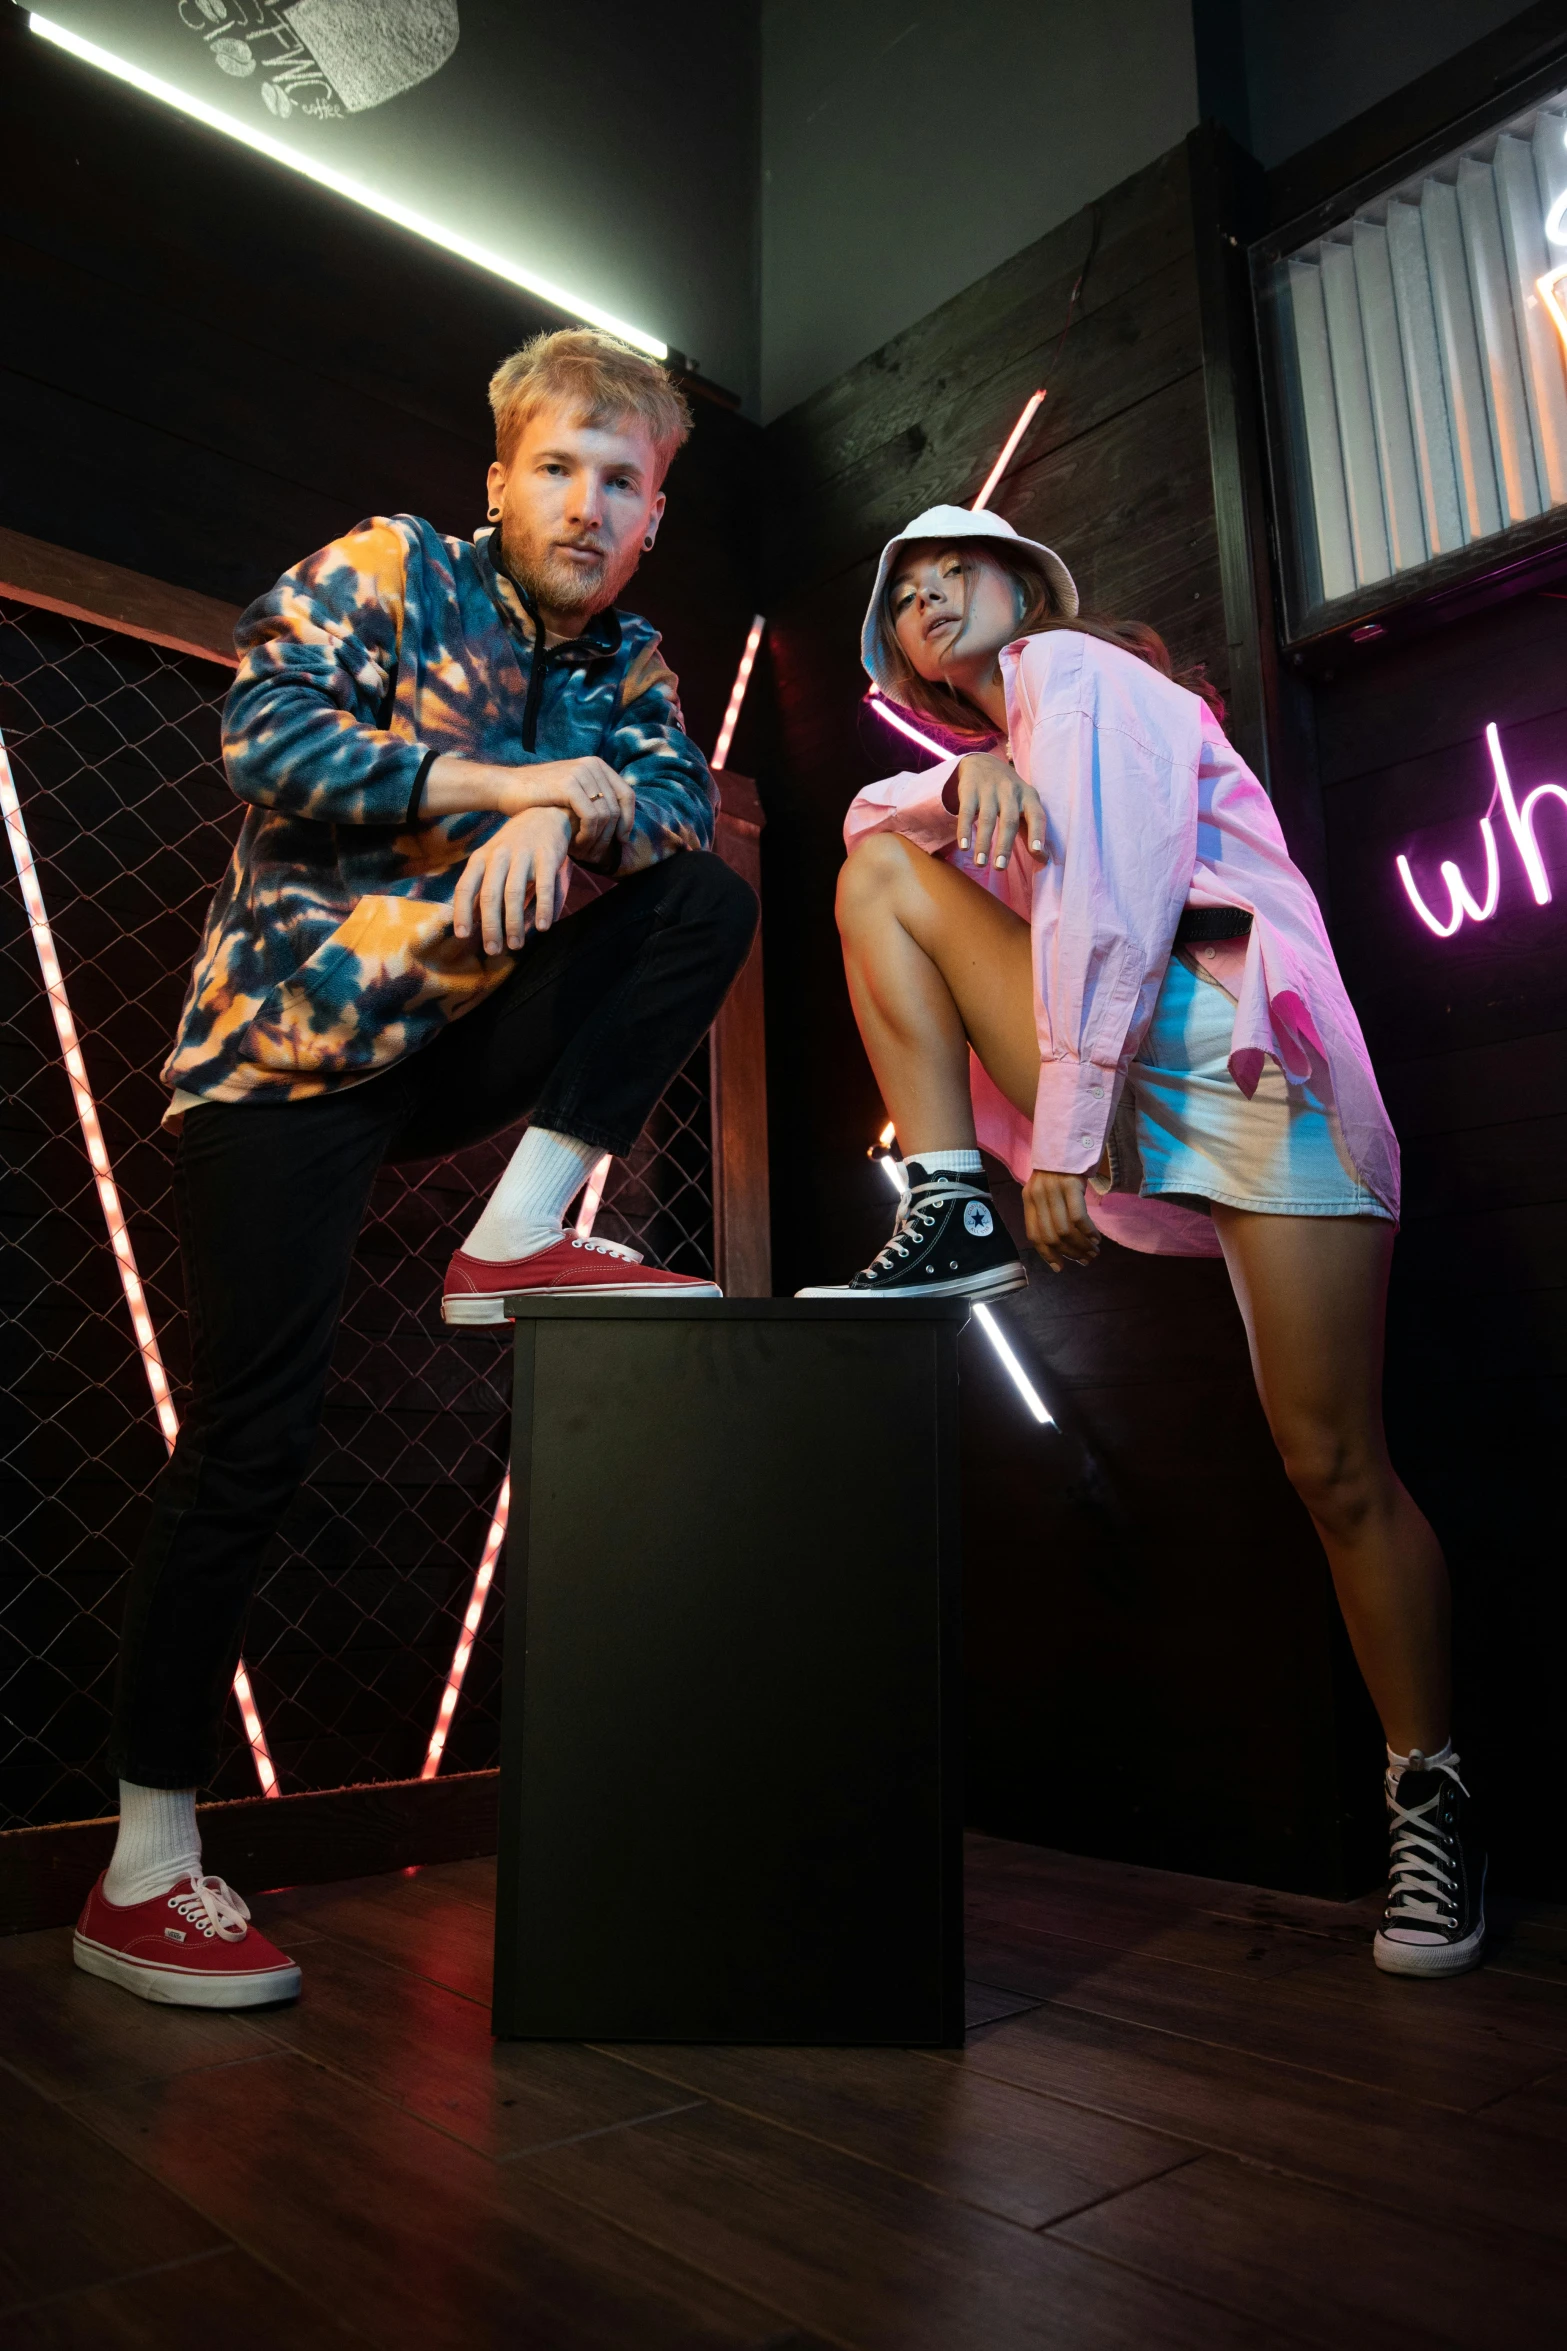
{"x": 1031, "y": 408}
{"x": 1020, "y": 1379}
{"x": 726, "y": 733}
{"x": 342, "y": 185}
{"x": 108, "y": 1193}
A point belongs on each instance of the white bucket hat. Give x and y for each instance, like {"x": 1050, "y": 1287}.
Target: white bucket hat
{"x": 953, "y": 524}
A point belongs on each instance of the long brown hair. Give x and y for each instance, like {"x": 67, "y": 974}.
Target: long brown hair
{"x": 953, "y": 714}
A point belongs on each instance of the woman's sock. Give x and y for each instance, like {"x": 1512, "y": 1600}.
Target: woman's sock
{"x": 159, "y": 1844}
{"x": 527, "y": 1209}
{"x": 964, "y": 1163}
{"x": 1398, "y": 1764}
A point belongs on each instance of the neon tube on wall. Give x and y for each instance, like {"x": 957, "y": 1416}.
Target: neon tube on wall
{"x": 726, "y": 733}
{"x": 473, "y": 1617}
{"x": 1031, "y": 408}
{"x": 895, "y": 718}
{"x": 489, "y": 1558}
{"x": 108, "y": 1194}
{"x": 402, "y": 215}
{"x": 1461, "y": 902}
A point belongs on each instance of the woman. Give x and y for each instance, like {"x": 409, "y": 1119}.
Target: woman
{"x": 1093, "y": 900}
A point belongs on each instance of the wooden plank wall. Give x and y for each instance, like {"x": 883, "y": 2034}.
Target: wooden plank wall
{"x": 1469, "y": 1035}
{"x": 1154, "y": 1664}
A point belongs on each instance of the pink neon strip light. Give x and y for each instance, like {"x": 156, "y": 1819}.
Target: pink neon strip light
{"x": 1031, "y": 408}
{"x": 489, "y": 1558}
{"x": 895, "y": 718}
{"x": 109, "y": 1196}
{"x": 726, "y": 733}
{"x": 1459, "y": 900}
{"x": 1549, "y": 289}
{"x": 593, "y": 1196}
{"x": 471, "y": 1622}
{"x": 1520, "y": 824}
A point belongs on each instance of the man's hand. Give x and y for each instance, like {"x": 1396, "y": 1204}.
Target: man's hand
{"x": 1056, "y": 1214}
{"x": 601, "y": 804}
{"x": 526, "y": 859}
{"x": 993, "y": 803}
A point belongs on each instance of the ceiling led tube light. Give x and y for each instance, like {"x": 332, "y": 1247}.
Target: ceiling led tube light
{"x": 341, "y": 184}
{"x": 109, "y": 1194}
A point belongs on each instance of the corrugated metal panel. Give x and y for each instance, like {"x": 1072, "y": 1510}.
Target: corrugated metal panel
{"x": 1459, "y": 345}
{"x": 1507, "y": 410}
{"x": 1406, "y": 534}
{"x": 1425, "y": 377}
{"x": 1324, "y": 459}
{"x": 1550, "y": 163}
{"x": 1357, "y": 433}
{"x": 1428, "y": 418}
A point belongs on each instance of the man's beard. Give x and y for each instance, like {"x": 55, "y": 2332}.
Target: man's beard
{"x": 559, "y": 586}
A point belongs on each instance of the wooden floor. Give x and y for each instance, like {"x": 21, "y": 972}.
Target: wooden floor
{"x": 1189, "y": 2114}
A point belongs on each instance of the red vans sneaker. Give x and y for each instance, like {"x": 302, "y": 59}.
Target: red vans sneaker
{"x": 575, "y": 1266}
{"x": 192, "y": 1947}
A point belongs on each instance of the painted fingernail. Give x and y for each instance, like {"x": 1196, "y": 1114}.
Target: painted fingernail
{"x": 980, "y": 859}
{"x": 1001, "y": 861}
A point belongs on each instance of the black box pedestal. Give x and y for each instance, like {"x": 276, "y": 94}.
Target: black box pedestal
{"x": 731, "y": 1745}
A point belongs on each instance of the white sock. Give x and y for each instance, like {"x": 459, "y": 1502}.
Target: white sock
{"x": 159, "y": 1844}
{"x": 1398, "y": 1764}
{"x": 527, "y": 1209}
{"x": 967, "y": 1163}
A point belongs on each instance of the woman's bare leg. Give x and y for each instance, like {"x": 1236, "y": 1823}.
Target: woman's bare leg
{"x": 1312, "y": 1291}
{"x": 934, "y": 963}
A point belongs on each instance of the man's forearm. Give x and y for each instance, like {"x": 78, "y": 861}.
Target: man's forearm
{"x": 454, "y": 786}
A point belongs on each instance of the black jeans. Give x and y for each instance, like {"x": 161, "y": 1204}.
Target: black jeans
{"x": 596, "y": 1018}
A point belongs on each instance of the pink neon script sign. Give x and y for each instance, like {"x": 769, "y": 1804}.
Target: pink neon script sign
{"x": 1461, "y": 900}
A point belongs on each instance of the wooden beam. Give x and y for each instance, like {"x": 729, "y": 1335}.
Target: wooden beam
{"x": 83, "y": 588}
{"x": 260, "y": 1842}
{"x": 742, "y": 1215}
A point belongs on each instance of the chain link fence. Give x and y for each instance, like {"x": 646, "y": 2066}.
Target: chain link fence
{"x": 114, "y": 747}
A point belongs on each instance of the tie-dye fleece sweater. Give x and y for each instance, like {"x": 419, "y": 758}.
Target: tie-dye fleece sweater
{"x": 329, "y": 950}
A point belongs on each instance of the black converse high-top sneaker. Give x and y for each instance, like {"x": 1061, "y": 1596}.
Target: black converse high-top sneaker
{"x": 948, "y": 1242}
{"x": 1434, "y": 1922}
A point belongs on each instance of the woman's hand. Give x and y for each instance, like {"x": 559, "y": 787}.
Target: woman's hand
{"x": 1055, "y": 1212}
{"x": 993, "y": 803}
{"x": 527, "y": 858}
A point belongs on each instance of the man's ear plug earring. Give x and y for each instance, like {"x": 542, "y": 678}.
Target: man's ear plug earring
{"x": 647, "y": 544}
{"x": 494, "y": 514}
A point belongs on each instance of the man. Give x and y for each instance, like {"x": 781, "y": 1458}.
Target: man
{"x": 429, "y": 734}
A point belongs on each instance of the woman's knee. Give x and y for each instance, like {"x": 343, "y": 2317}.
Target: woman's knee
{"x": 1340, "y": 1475}
{"x": 874, "y": 869}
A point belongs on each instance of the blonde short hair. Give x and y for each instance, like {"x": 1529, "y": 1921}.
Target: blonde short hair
{"x": 598, "y": 375}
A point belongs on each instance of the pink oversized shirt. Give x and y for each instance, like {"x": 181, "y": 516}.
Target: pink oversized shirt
{"x": 1147, "y": 809}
